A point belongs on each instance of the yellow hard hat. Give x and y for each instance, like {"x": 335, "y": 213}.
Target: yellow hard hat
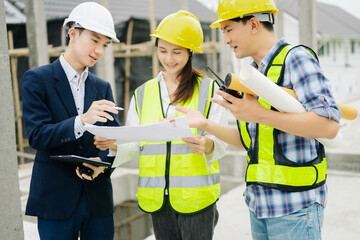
{"x": 229, "y": 9}
{"x": 181, "y": 28}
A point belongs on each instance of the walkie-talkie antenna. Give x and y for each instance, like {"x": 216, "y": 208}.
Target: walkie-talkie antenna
{"x": 223, "y": 83}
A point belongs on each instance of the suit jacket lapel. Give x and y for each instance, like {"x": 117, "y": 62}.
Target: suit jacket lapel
{"x": 63, "y": 89}
{"x": 90, "y": 92}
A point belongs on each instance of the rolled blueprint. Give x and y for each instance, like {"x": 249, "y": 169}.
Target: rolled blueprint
{"x": 232, "y": 82}
{"x": 348, "y": 112}
{"x": 278, "y": 98}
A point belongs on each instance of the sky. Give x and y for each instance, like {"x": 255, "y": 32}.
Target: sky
{"x": 351, "y": 6}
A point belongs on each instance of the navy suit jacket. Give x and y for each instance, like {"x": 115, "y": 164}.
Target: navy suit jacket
{"x": 49, "y": 113}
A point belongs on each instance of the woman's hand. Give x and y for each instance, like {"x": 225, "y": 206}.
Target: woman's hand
{"x": 200, "y": 144}
{"x": 103, "y": 143}
{"x": 194, "y": 117}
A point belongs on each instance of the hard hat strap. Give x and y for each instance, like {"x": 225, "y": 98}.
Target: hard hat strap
{"x": 75, "y": 25}
{"x": 263, "y": 17}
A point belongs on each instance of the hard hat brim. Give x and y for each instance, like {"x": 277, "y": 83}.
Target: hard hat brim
{"x": 199, "y": 50}
{"x": 113, "y": 38}
{"x": 217, "y": 24}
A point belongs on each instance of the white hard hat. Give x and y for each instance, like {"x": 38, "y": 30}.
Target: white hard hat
{"x": 94, "y": 17}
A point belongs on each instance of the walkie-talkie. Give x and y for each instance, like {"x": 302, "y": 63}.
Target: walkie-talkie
{"x": 223, "y": 86}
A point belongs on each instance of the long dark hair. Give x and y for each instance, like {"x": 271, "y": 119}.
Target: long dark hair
{"x": 188, "y": 81}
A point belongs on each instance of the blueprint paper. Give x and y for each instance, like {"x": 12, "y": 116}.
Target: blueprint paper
{"x": 168, "y": 130}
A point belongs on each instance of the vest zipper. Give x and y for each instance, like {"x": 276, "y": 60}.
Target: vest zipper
{"x": 168, "y": 151}
{"x": 167, "y": 167}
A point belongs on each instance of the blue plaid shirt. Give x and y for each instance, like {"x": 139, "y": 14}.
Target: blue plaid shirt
{"x": 304, "y": 75}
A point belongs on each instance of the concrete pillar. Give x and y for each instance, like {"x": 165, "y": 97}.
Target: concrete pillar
{"x": 36, "y": 33}
{"x": 307, "y": 23}
{"x": 182, "y": 5}
{"x": 11, "y": 226}
{"x": 105, "y": 68}
{"x": 279, "y": 19}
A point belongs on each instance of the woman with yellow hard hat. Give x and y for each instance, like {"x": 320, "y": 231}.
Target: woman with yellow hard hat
{"x": 179, "y": 181}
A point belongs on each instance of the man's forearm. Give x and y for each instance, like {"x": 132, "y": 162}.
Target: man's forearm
{"x": 306, "y": 124}
{"x": 227, "y": 134}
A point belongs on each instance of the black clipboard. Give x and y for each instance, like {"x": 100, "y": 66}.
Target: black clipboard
{"x": 80, "y": 160}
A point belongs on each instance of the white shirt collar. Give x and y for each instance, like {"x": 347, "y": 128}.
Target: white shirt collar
{"x": 163, "y": 88}
{"x": 70, "y": 72}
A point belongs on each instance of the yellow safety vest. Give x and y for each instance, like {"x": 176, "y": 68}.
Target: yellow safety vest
{"x": 172, "y": 167}
{"x": 267, "y": 166}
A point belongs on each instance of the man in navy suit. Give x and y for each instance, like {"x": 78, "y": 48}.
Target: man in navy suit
{"x": 58, "y": 99}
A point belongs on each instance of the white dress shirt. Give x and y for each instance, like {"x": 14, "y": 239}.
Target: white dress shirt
{"x": 129, "y": 151}
{"x": 78, "y": 90}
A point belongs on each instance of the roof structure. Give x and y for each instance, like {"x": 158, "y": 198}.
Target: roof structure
{"x": 121, "y": 10}
{"x": 13, "y": 13}
{"x": 331, "y": 20}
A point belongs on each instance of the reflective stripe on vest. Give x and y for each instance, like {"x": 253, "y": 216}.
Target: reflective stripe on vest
{"x": 160, "y": 149}
{"x": 267, "y": 165}
{"x": 191, "y": 185}
{"x": 180, "y": 182}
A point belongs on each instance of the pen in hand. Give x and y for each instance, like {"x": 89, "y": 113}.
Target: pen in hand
{"x": 118, "y": 108}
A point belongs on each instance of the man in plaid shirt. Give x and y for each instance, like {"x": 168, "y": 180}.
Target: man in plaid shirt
{"x": 286, "y": 210}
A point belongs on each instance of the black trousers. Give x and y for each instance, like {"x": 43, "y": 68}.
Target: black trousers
{"x": 170, "y": 225}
